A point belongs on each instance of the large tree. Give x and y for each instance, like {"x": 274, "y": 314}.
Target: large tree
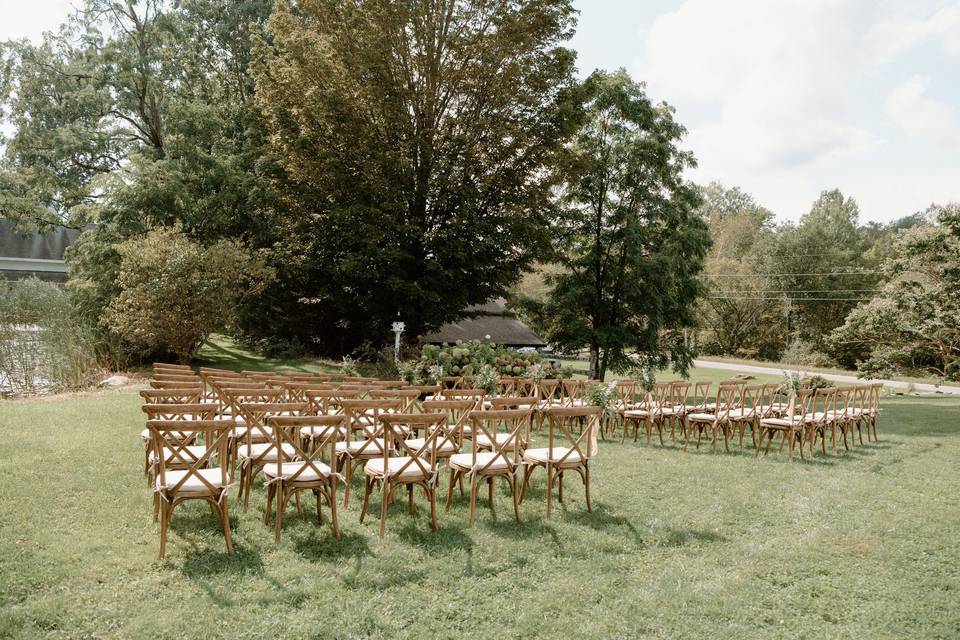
{"x": 629, "y": 240}
{"x": 911, "y": 325}
{"x": 418, "y": 140}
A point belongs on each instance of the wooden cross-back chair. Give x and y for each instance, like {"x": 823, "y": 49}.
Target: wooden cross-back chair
{"x": 548, "y": 393}
{"x": 183, "y": 377}
{"x": 182, "y": 475}
{"x": 427, "y": 390}
{"x": 746, "y": 412}
{"x": 622, "y": 400}
{"x": 821, "y": 418}
{"x": 174, "y": 395}
{"x": 717, "y": 421}
{"x": 310, "y": 378}
{"x": 571, "y": 393}
{"x": 649, "y": 412}
{"x": 700, "y": 397}
{"x": 297, "y": 391}
{"x": 674, "y": 410}
{"x": 357, "y": 379}
{"x": 872, "y": 411}
{"x": 364, "y": 438}
{"x": 415, "y": 466}
{"x": 522, "y": 403}
{"x": 171, "y": 367}
{"x": 458, "y": 416}
{"x": 410, "y": 398}
{"x": 500, "y": 460}
{"x": 772, "y": 405}
{"x": 327, "y": 401}
{"x": 565, "y": 451}
{"x": 176, "y": 407}
{"x": 792, "y": 426}
{"x": 312, "y": 465}
{"x": 257, "y": 447}
{"x": 507, "y": 385}
{"x": 449, "y": 382}
{"x": 477, "y": 395}
{"x": 175, "y": 384}
{"x": 844, "y": 414}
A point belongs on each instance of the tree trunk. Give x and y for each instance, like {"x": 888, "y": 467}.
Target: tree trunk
{"x": 594, "y": 361}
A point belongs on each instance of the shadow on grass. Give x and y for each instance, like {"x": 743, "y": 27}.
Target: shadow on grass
{"x": 448, "y": 537}
{"x": 322, "y": 547}
{"x": 666, "y": 536}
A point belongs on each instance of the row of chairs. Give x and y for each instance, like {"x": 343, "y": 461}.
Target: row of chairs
{"x": 766, "y": 411}
{"x": 305, "y": 433}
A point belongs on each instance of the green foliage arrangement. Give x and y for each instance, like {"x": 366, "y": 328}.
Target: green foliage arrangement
{"x": 601, "y": 395}
{"x": 173, "y": 292}
{"x": 348, "y": 367}
{"x": 469, "y": 359}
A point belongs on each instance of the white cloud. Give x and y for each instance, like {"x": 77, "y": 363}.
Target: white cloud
{"x": 771, "y": 68}
{"x": 789, "y": 98}
{"x": 921, "y": 116}
{"x": 914, "y": 24}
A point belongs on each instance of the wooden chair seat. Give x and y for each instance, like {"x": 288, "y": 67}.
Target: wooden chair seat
{"x": 783, "y": 423}
{"x": 701, "y": 417}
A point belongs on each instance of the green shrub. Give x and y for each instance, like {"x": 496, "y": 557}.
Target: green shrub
{"x": 175, "y": 292}
{"x": 43, "y": 347}
{"x": 803, "y": 353}
{"x": 468, "y": 359}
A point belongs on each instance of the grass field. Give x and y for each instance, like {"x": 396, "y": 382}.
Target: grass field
{"x": 681, "y": 544}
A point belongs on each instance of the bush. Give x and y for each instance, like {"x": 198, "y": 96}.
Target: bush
{"x": 803, "y": 353}
{"x": 468, "y": 358}
{"x": 174, "y": 292}
{"x": 43, "y": 348}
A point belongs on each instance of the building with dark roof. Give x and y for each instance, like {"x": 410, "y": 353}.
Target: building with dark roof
{"x": 491, "y": 321}
{"x": 24, "y": 255}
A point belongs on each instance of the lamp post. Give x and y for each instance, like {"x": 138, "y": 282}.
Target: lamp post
{"x": 398, "y": 328}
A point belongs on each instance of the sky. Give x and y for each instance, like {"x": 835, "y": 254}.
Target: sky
{"x": 782, "y": 98}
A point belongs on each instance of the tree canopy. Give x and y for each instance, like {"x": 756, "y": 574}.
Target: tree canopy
{"x": 628, "y": 238}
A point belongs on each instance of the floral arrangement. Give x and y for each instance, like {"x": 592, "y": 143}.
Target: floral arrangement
{"x": 600, "y": 395}
{"x": 349, "y": 367}
{"x": 487, "y": 379}
{"x": 467, "y": 359}
{"x": 646, "y": 377}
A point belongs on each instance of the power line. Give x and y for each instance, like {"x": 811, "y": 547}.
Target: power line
{"x": 780, "y": 299}
{"x": 777, "y": 275}
{"x": 803, "y": 291}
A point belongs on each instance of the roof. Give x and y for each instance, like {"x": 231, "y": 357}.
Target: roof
{"x": 490, "y": 321}
{"x": 34, "y": 254}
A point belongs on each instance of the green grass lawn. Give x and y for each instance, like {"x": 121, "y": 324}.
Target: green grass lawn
{"x": 680, "y": 544}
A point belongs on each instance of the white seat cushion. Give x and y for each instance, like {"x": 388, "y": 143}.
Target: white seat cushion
{"x": 465, "y": 461}
{"x": 190, "y": 455}
{"x": 443, "y": 446}
{"x": 777, "y": 422}
{"x": 357, "y": 447}
{"x": 483, "y": 440}
{"x": 541, "y": 455}
{"x": 741, "y": 413}
{"x": 193, "y": 485}
{"x": 287, "y": 469}
{"x": 701, "y": 417}
{"x": 263, "y": 451}
{"x": 374, "y": 467}
{"x": 638, "y": 413}
{"x": 320, "y": 432}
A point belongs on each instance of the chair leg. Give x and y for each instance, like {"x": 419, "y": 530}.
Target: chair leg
{"x": 367, "y": 487}
{"x": 513, "y": 491}
{"x": 586, "y": 487}
{"x": 225, "y": 521}
{"x": 757, "y": 443}
{"x": 282, "y": 498}
{"x": 332, "y": 502}
{"x": 473, "y": 498}
{"x": 348, "y": 476}
{"x": 450, "y": 488}
{"x": 549, "y": 489}
{"x": 164, "y": 522}
{"x": 410, "y": 499}
{"x": 559, "y": 477}
{"x": 432, "y": 495}
{"x": 526, "y": 479}
{"x": 384, "y": 500}
{"x": 271, "y": 490}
